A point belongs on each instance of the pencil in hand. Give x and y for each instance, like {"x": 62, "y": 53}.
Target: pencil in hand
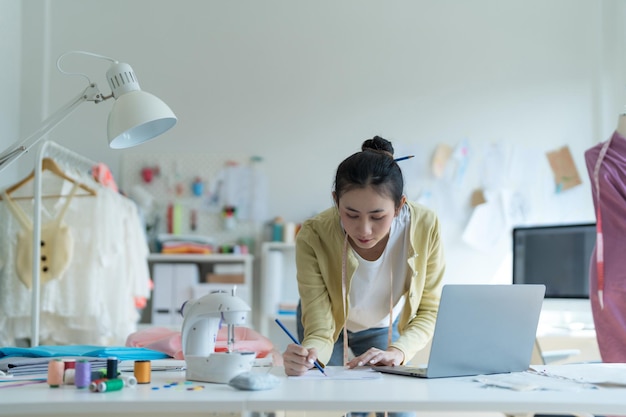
{"x": 316, "y": 363}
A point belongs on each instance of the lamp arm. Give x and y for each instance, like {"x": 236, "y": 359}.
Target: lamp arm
{"x": 90, "y": 93}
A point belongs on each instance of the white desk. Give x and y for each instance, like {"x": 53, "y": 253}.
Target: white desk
{"x": 391, "y": 393}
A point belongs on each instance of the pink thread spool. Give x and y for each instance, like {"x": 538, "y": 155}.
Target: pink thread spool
{"x": 56, "y": 368}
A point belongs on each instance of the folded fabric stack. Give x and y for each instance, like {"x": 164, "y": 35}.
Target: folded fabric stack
{"x": 28, "y": 361}
{"x": 176, "y": 244}
{"x": 18, "y": 366}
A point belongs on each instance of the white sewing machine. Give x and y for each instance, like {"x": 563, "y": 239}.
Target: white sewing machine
{"x": 202, "y": 320}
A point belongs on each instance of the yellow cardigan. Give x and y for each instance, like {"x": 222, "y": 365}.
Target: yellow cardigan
{"x": 319, "y": 246}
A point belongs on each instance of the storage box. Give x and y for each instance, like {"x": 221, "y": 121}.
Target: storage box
{"x": 228, "y": 268}
{"x": 225, "y": 278}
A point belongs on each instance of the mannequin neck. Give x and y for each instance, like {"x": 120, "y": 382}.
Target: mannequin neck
{"x": 621, "y": 125}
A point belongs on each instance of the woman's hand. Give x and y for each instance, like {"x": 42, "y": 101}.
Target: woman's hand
{"x": 298, "y": 359}
{"x": 374, "y": 356}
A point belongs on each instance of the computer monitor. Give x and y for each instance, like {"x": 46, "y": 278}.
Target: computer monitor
{"x": 557, "y": 256}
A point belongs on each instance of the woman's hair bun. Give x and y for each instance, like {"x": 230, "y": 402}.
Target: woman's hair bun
{"x": 378, "y": 144}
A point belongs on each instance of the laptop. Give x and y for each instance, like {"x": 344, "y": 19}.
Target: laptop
{"x": 481, "y": 329}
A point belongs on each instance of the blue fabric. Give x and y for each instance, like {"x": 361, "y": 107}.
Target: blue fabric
{"x": 120, "y": 352}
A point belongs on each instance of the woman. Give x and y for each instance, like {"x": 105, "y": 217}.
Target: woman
{"x": 369, "y": 270}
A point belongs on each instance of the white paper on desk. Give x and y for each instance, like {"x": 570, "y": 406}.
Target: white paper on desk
{"x": 338, "y": 372}
{"x": 529, "y": 381}
{"x": 599, "y": 374}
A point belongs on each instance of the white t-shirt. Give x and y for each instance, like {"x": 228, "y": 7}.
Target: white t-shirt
{"x": 371, "y": 287}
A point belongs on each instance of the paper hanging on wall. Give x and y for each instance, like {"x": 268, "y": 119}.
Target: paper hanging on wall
{"x": 486, "y": 225}
{"x": 564, "y": 169}
{"x": 461, "y": 159}
{"x": 477, "y": 198}
{"x": 440, "y": 159}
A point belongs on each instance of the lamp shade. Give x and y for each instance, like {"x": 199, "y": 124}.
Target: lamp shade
{"x": 136, "y": 117}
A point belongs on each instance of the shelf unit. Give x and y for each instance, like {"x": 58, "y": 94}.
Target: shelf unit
{"x": 279, "y": 287}
{"x": 178, "y": 278}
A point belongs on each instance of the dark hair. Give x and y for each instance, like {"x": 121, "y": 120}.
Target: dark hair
{"x": 375, "y": 167}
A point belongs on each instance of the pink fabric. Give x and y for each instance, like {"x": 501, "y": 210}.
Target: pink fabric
{"x": 610, "y": 322}
{"x": 103, "y": 175}
{"x": 169, "y": 341}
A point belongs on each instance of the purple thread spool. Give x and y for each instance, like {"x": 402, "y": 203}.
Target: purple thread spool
{"x": 82, "y": 376}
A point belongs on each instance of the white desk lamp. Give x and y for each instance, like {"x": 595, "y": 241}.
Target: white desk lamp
{"x": 136, "y": 117}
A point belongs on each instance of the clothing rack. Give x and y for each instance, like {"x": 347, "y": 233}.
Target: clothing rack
{"x": 76, "y": 166}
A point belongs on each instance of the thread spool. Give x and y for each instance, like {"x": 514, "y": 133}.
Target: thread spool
{"x": 289, "y": 232}
{"x": 108, "y": 385}
{"x": 94, "y": 385}
{"x": 98, "y": 374}
{"x": 56, "y": 367}
{"x": 277, "y": 230}
{"x": 69, "y": 376}
{"x": 112, "y": 368}
{"x": 142, "y": 371}
{"x": 129, "y": 381}
{"x": 69, "y": 363}
{"x": 82, "y": 376}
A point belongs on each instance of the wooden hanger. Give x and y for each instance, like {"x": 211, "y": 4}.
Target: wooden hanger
{"x": 48, "y": 164}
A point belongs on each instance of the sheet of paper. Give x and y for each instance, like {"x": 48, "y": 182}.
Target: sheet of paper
{"x": 495, "y": 165}
{"x": 564, "y": 169}
{"x": 20, "y": 382}
{"x": 528, "y": 381}
{"x": 600, "y": 374}
{"x": 486, "y": 225}
{"x": 569, "y": 377}
{"x": 155, "y": 365}
{"x": 339, "y": 372}
{"x": 440, "y": 159}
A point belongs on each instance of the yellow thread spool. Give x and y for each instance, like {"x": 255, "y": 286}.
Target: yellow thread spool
{"x": 142, "y": 371}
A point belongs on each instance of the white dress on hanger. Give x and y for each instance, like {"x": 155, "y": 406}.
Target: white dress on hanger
{"x": 93, "y": 302}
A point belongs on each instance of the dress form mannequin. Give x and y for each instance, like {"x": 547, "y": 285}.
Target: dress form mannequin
{"x": 606, "y": 164}
{"x": 621, "y": 125}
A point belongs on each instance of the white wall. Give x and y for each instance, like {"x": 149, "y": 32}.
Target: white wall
{"x": 302, "y": 84}
{"x": 11, "y": 47}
